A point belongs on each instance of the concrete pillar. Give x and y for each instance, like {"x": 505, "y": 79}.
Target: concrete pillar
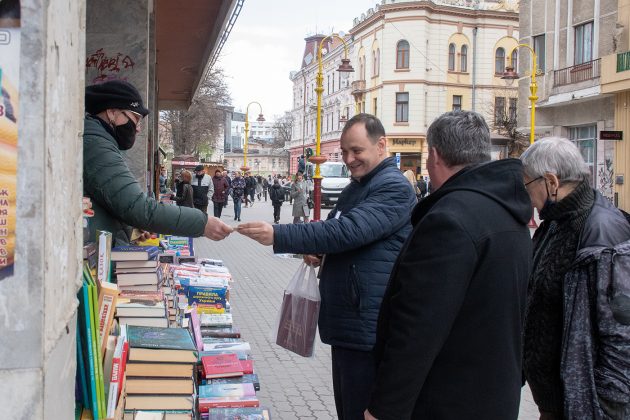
{"x": 38, "y": 302}
{"x": 118, "y": 46}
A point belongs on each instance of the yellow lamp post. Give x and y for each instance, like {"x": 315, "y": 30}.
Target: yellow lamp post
{"x": 260, "y": 119}
{"x": 344, "y": 68}
{"x": 511, "y": 75}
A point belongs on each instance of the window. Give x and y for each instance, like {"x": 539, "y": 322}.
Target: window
{"x": 514, "y": 60}
{"x": 362, "y": 68}
{"x": 328, "y": 84}
{"x": 402, "y": 107}
{"x": 375, "y": 62}
{"x": 539, "y": 49}
{"x": 451, "y": 57}
{"x": 499, "y": 61}
{"x": 374, "y": 106}
{"x": 584, "y": 138}
{"x": 499, "y": 110}
{"x": 512, "y": 109}
{"x": 457, "y": 102}
{"x": 402, "y": 55}
{"x": 584, "y": 43}
{"x": 463, "y": 66}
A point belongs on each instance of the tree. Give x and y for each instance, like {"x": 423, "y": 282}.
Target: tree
{"x": 282, "y": 130}
{"x": 196, "y": 130}
{"x": 504, "y": 122}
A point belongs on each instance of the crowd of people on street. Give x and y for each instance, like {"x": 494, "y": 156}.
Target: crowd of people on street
{"x": 436, "y": 301}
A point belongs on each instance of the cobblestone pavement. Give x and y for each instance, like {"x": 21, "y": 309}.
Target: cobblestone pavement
{"x": 291, "y": 386}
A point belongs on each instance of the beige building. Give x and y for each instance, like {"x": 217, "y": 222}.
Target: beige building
{"x": 261, "y": 159}
{"x": 571, "y": 38}
{"x": 415, "y": 60}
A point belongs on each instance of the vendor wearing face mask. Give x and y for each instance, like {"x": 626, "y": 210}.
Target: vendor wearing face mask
{"x": 114, "y": 112}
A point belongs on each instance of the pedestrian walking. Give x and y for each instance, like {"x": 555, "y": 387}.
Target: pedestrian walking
{"x": 423, "y": 187}
{"x": 219, "y": 196}
{"x": 576, "y": 354}
{"x": 229, "y": 193}
{"x": 238, "y": 192}
{"x": 114, "y": 113}
{"x": 265, "y": 186}
{"x": 360, "y": 239}
{"x": 448, "y": 340}
{"x": 259, "y": 187}
{"x": 185, "y": 198}
{"x": 203, "y": 188}
{"x": 299, "y": 194}
{"x": 411, "y": 177}
{"x": 277, "y": 198}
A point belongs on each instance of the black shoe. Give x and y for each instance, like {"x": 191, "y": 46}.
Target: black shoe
{"x": 239, "y": 219}
{"x": 235, "y": 218}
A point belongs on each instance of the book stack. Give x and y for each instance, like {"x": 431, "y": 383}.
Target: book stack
{"x": 147, "y": 309}
{"x": 137, "y": 268}
{"x": 160, "y": 371}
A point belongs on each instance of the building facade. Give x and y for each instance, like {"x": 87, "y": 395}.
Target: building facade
{"x": 337, "y": 101}
{"x": 417, "y": 60}
{"x": 570, "y": 38}
{"x": 261, "y": 159}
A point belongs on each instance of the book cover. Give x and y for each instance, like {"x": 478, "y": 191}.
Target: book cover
{"x": 216, "y": 320}
{"x": 164, "y": 386}
{"x": 160, "y": 338}
{"x": 108, "y": 362}
{"x": 195, "y": 325}
{"x": 245, "y": 413}
{"x": 221, "y": 332}
{"x": 82, "y": 372}
{"x": 136, "y": 264}
{"x": 209, "y": 300}
{"x": 227, "y": 390}
{"x": 221, "y": 340}
{"x": 250, "y": 378}
{"x": 298, "y": 324}
{"x": 141, "y": 308}
{"x": 132, "y": 279}
{"x": 221, "y": 365}
{"x": 87, "y": 344}
{"x": 165, "y": 370}
{"x": 98, "y": 357}
{"x": 206, "y": 404}
{"x": 247, "y": 366}
{"x": 134, "y": 253}
{"x": 159, "y": 402}
{"x": 242, "y": 346}
{"x": 104, "y": 256}
{"x": 114, "y": 381}
{"x": 158, "y": 322}
{"x": 107, "y": 296}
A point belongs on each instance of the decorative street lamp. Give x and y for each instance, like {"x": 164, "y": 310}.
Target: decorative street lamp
{"x": 345, "y": 69}
{"x": 510, "y": 75}
{"x": 260, "y": 119}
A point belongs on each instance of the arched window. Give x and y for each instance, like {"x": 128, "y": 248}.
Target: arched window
{"x": 514, "y": 61}
{"x": 451, "y": 57}
{"x": 402, "y": 55}
{"x": 375, "y": 61}
{"x": 362, "y": 68}
{"x": 499, "y": 61}
{"x": 463, "y": 65}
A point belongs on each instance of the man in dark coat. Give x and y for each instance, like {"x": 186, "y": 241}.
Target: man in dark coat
{"x": 360, "y": 239}
{"x": 203, "y": 188}
{"x": 449, "y": 331}
{"x": 115, "y": 110}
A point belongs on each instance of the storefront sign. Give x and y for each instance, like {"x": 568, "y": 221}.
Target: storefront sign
{"x": 404, "y": 142}
{"x": 9, "y": 113}
{"x": 611, "y": 135}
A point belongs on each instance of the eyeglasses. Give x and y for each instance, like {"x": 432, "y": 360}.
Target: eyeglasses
{"x": 136, "y": 118}
{"x": 527, "y": 183}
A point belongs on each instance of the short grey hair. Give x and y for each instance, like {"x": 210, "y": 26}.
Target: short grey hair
{"x": 460, "y": 137}
{"x": 555, "y": 155}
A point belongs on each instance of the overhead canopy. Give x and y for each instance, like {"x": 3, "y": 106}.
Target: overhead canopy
{"x": 188, "y": 35}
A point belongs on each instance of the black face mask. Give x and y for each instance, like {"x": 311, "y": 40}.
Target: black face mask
{"x": 125, "y": 135}
{"x": 549, "y": 204}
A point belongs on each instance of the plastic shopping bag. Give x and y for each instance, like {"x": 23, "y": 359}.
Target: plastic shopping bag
{"x": 296, "y": 324}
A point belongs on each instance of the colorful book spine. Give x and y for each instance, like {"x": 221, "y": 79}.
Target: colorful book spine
{"x": 96, "y": 346}
{"x": 106, "y": 306}
{"x": 115, "y": 379}
{"x": 91, "y": 365}
{"x": 104, "y": 252}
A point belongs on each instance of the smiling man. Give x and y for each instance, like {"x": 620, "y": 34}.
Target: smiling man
{"x": 360, "y": 240}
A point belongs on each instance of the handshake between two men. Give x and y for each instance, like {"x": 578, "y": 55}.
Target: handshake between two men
{"x": 261, "y": 232}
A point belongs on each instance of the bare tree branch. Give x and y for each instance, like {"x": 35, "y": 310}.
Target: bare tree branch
{"x": 282, "y": 130}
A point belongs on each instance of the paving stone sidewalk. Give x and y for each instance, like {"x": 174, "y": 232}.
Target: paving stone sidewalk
{"x": 291, "y": 386}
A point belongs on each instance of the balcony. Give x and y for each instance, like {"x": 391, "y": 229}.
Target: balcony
{"x": 576, "y": 74}
{"x": 615, "y": 75}
{"x": 358, "y": 86}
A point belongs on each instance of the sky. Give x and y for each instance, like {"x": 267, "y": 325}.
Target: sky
{"x": 267, "y": 43}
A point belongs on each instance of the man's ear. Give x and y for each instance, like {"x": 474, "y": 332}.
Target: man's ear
{"x": 382, "y": 145}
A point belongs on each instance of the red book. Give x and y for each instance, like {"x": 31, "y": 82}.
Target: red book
{"x": 247, "y": 366}
{"x": 206, "y": 404}
{"x": 221, "y": 366}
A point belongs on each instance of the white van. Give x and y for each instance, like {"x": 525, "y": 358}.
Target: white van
{"x": 335, "y": 178}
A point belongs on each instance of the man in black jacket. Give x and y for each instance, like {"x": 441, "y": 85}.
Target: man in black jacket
{"x": 361, "y": 239}
{"x": 203, "y": 188}
{"x": 449, "y": 330}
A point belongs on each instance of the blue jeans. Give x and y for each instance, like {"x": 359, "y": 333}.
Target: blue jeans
{"x": 237, "y": 208}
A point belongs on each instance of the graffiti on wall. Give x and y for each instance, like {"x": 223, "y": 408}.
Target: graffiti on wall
{"x": 108, "y": 66}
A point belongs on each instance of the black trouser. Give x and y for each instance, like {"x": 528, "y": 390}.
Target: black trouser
{"x": 277, "y": 205}
{"x": 353, "y": 373}
{"x": 202, "y": 208}
{"x": 218, "y": 207}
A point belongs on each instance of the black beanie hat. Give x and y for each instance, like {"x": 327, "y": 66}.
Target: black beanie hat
{"x": 113, "y": 94}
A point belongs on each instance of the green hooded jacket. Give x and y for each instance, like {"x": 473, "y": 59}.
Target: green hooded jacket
{"x": 118, "y": 201}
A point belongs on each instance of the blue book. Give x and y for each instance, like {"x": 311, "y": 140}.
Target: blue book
{"x": 244, "y": 413}
{"x": 160, "y": 338}
{"x": 209, "y": 300}
{"x": 251, "y": 378}
{"x": 227, "y": 390}
{"x": 134, "y": 253}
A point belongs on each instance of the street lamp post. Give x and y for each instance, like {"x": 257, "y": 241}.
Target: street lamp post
{"x": 510, "y": 75}
{"x": 260, "y": 119}
{"x": 345, "y": 68}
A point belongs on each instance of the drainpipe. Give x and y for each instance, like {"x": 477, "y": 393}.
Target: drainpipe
{"x": 474, "y": 69}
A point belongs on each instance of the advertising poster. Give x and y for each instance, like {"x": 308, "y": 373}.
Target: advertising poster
{"x": 9, "y": 115}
